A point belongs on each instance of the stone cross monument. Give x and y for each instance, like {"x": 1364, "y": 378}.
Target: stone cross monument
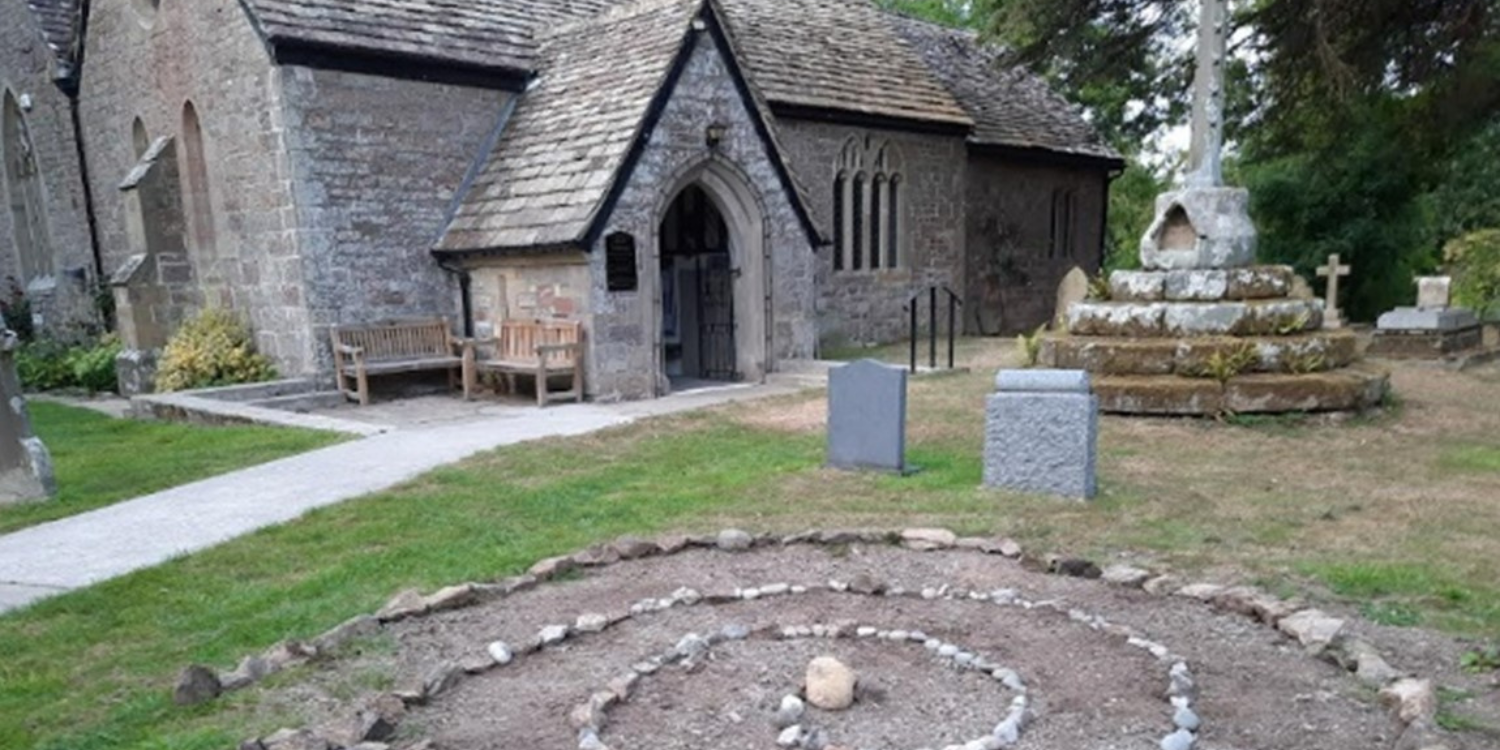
{"x": 1205, "y": 225}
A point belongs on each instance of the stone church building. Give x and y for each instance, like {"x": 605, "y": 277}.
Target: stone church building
{"x": 710, "y": 186}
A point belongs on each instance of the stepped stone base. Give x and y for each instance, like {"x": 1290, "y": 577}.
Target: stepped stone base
{"x": 1202, "y": 285}
{"x": 1349, "y": 389}
{"x": 1432, "y": 344}
{"x": 1302, "y": 353}
{"x": 1277, "y": 317}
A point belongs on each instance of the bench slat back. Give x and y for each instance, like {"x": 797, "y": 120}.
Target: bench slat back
{"x": 398, "y": 340}
{"x": 520, "y": 338}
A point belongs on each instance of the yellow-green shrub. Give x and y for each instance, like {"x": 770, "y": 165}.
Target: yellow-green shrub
{"x": 212, "y": 348}
{"x": 1475, "y": 262}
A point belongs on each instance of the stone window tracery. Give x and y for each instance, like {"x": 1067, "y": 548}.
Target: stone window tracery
{"x": 867, "y": 210}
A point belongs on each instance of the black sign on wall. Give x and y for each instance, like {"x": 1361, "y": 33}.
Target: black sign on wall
{"x": 619, "y": 263}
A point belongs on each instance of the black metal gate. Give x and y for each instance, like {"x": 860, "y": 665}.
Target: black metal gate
{"x": 716, "y": 317}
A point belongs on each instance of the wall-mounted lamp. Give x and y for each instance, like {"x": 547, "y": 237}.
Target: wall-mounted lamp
{"x": 714, "y": 134}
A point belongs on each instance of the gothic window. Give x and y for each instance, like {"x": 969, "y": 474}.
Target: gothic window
{"x": 23, "y": 191}
{"x": 867, "y": 208}
{"x": 1064, "y": 208}
{"x": 893, "y": 218}
{"x": 857, "y": 240}
{"x": 200, "y": 212}
{"x": 838, "y": 221}
{"x": 139, "y": 139}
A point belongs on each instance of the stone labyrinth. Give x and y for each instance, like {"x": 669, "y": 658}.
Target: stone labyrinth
{"x": 706, "y": 643}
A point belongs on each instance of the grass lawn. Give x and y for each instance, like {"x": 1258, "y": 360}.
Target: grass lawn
{"x": 100, "y": 460}
{"x": 1394, "y": 515}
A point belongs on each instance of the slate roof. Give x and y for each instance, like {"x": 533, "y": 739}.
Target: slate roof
{"x": 569, "y": 136}
{"x": 1010, "y": 105}
{"x": 481, "y": 33}
{"x": 60, "y": 22}
{"x": 837, "y": 54}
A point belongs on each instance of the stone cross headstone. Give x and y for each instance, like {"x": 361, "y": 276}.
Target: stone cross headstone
{"x": 1332, "y": 316}
{"x": 867, "y": 417}
{"x": 1434, "y": 292}
{"x": 1041, "y": 433}
{"x": 25, "y": 465}
{"x": 1073, "y": 288}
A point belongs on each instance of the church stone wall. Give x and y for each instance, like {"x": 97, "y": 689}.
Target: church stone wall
{"x": 62, "y": 298}
{"x": 866, "y": 307}
{"x": 1013, "y": 272}
{"x": 206, "y": 52}
{"x": 622, "y": 361}
{"x": 375, "y": 166}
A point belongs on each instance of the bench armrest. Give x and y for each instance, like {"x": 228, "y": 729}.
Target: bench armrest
{"x": 351, "y": 350}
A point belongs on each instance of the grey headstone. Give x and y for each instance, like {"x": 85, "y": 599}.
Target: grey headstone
{"x": 1073, "y": 288}
{"x": 867, "y": 417}
{"x": 25, "y": 464}
{"x": 1418, "y": 319}
{"x": 1041, "y": 433}
{"x": 1434, "y": 292}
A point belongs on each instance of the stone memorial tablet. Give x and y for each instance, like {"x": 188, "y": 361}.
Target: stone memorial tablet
{"x": 867, "y": 417}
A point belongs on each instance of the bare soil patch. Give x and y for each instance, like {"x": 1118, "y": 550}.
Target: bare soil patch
{"x": 1257, "y": 690}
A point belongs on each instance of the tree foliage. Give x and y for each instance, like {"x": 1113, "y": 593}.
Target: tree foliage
{"x": 1364, "y": 127}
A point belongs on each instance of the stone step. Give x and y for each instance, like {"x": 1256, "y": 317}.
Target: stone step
{"x": 1202, "y": 285}
{"x": 1276, "y": 317}
{"x": 1349, "y": 389}
{"x": 1192, "y": 357}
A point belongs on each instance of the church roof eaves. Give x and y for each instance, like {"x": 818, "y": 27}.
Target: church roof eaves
{"x": 559, "y": 157}
{"x": 554, "y": 177}
{"x": 60, "y": 23}
{"x": 838, "y": 56}
{"x": 1013, "y": 109}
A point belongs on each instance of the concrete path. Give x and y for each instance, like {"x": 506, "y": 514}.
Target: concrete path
{"x": 80, "y": 550}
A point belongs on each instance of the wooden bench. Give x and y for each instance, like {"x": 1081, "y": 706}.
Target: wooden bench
{"x": 385, "y": 348}
{"x": 540, "y": 348}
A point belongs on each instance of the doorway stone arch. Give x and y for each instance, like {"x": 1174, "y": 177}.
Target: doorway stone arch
{"x": 732, "y": 194}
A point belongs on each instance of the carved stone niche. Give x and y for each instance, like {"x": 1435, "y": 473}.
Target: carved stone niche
{"x": 1204, "y": 227}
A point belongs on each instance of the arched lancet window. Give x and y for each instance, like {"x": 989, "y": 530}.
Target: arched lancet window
{"x": 877, "y": 198}
{"x": 140, "y": 140}
{"x": 857, "y": 236}
{"x": 23, "y": 191}
{"x": 1064, "y": 210}
{"x": 839, "y": 185}
{"x": 893, "y": 220}
{"x": 200, "y": 212}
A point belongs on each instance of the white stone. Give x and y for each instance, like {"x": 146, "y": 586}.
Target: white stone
{"x": 1178, "y": 740}
{"x": 830, "y": 684}
{"x": 790, "y": 736}
{"x": 734, "y": 540}
{"x": 1312, "y": 628}
{"x": 501, "y": 652}
{"x": 553, "y": 634}
{"x": 592, "y": 622}
{"x": 929, "y": 538}
{"x": 1124, "y": 575}
{"x": 1410, "y": 700}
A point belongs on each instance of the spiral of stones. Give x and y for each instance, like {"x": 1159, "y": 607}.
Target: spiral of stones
{"x": 589, "y": 717}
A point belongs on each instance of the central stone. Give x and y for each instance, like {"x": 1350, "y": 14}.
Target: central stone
{"x": 1200, "y": 228}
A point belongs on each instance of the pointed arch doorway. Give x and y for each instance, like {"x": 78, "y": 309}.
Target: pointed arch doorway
{"x": 712, "y": 297}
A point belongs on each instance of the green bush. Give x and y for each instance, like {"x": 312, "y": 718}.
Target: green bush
{"x": 49, "y": 364}
{"x": 213, "y": 348}
{"x": 1474, "y": 261}
{"x": 15, "y": 308}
